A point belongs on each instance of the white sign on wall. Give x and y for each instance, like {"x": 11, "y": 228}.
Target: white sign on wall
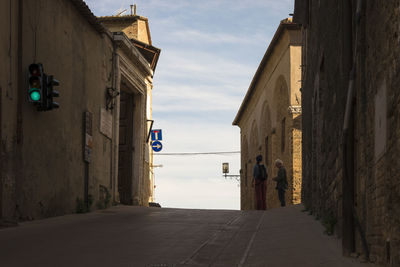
{"x": 106, "y": 123}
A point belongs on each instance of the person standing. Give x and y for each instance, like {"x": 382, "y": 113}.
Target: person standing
{"x": 260, "y": 176}
{"x": 281, "y": 181}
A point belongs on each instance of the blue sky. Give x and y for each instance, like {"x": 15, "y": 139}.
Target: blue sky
{"x": 210, "y": 51}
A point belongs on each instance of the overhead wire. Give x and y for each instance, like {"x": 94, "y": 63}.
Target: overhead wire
{"x": 196, "y": 153}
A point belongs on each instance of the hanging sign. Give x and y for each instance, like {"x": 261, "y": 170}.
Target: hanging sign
{"x": 156, "y": 135}
{"x": 156, "y": 145}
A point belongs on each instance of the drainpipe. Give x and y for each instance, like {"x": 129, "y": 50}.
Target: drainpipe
{"x": 348, "y": 144}
{"x": 115, "y": 139}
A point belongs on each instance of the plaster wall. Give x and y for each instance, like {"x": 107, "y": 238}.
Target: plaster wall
{"x": 134, "y": 30}
{"x": 52, "y": 157}
{"x": 262, "y": 119}
{"x": 142, "y": 31}
{"x": 43, "y": 169}
{"x": 8, "y": 110}
{"x": 129, "y": 28}
{"x": 295, "y": 73}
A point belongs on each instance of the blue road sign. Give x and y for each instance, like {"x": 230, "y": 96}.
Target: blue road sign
{"x": 157, "y": 146}
{"x": 156, "y": 135}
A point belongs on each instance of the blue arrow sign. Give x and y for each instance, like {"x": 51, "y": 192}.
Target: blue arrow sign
{"x": 156, "y": 135}
{"x": 157, "y": 146}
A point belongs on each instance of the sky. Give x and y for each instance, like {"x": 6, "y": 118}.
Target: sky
{"x": 210, "y": 51}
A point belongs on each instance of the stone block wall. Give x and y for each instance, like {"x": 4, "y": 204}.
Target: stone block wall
{"x": 378, "y": 131}
{"x": 329, "y": 42}
{"x": 296, "y": 161}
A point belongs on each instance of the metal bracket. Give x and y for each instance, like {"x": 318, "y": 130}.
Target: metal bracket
{"x": 110, "y": 96}
{"x": 151, "y": 127}
{"x": 237, "y": 177}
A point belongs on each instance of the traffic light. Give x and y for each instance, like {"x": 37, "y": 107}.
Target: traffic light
{"x": 50, "y": 93}
{"x": 36, "y": 82}
{"x": 41, "y": 91}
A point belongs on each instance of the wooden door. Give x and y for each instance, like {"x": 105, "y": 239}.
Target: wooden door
{"x": 125, "y": 168}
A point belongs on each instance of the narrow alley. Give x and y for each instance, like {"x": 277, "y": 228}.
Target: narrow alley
{"x": 154, "y": 133}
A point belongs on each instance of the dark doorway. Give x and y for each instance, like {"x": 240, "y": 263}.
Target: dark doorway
{"x": 125, "y": 148}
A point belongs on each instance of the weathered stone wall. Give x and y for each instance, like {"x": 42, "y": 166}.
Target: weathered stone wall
{"x": 43, "y": 170}
{"x": 52, "y": 166}
{"x": 135, "y": 27}
{"x": 129, "y": 28}
{"x": 378, "y": 132}
{"x": 329, "y": 41}
{"x": 323, "y": 102}
{"x": 9, "y": 94}
{"x": 269, "y": 110}
{"x": 295, "y": 144}
{"x": 142, "y": 31}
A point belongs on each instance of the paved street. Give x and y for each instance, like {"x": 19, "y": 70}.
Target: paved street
{"x": 138, "y": 236}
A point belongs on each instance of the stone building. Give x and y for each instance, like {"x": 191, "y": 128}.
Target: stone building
{"x": 270, "y": 118}
{"x": 351, "y": 122}
{"x": 136, "y": 29}
{"x": 92, "y": 150}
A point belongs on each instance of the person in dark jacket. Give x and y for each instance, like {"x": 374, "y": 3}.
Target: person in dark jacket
{"x": 260, "y": 176}
{"x": 281, "y": 181}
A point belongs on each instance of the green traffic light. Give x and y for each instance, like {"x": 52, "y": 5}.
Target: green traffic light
{"x": 35, "y": 96}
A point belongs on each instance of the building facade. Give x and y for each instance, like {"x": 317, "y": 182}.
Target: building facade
{"x": 135, "y": 31}
{"x": 270, "y": 118}
{"x": 351, "y": 126}
{"x": 90, "y": 152}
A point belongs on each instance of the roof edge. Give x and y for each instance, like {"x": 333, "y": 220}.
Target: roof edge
{"x": 85, "y": 11}
{"x": 128, "y": 46}
{"x": 146, "y": 46}
{"x": 127, "y": 17}
{"x": 285, "y": 24}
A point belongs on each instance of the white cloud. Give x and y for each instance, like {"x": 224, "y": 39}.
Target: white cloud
{"x": 206, "y": 6}
{"x": 210, "y": 52}
{"x": 199, "y": 81}
{"x": 184, "y": 98}
{"x": 203, "y": 62}
{"x": 203, "y": 66}
{"x": 194, "y": 36}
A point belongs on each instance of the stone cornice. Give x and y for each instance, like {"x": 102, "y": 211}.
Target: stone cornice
{"x": 132, "y": 52}
{"x": 132, "y": 75}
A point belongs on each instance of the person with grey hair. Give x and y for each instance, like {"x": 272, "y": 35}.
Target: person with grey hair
{"x": 281, "y": 181}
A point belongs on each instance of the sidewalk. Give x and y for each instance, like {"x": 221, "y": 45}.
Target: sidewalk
{"x": 289, "y": 237}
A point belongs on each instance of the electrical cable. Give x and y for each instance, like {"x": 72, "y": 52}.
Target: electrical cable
{"x": 196, "y": 153}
